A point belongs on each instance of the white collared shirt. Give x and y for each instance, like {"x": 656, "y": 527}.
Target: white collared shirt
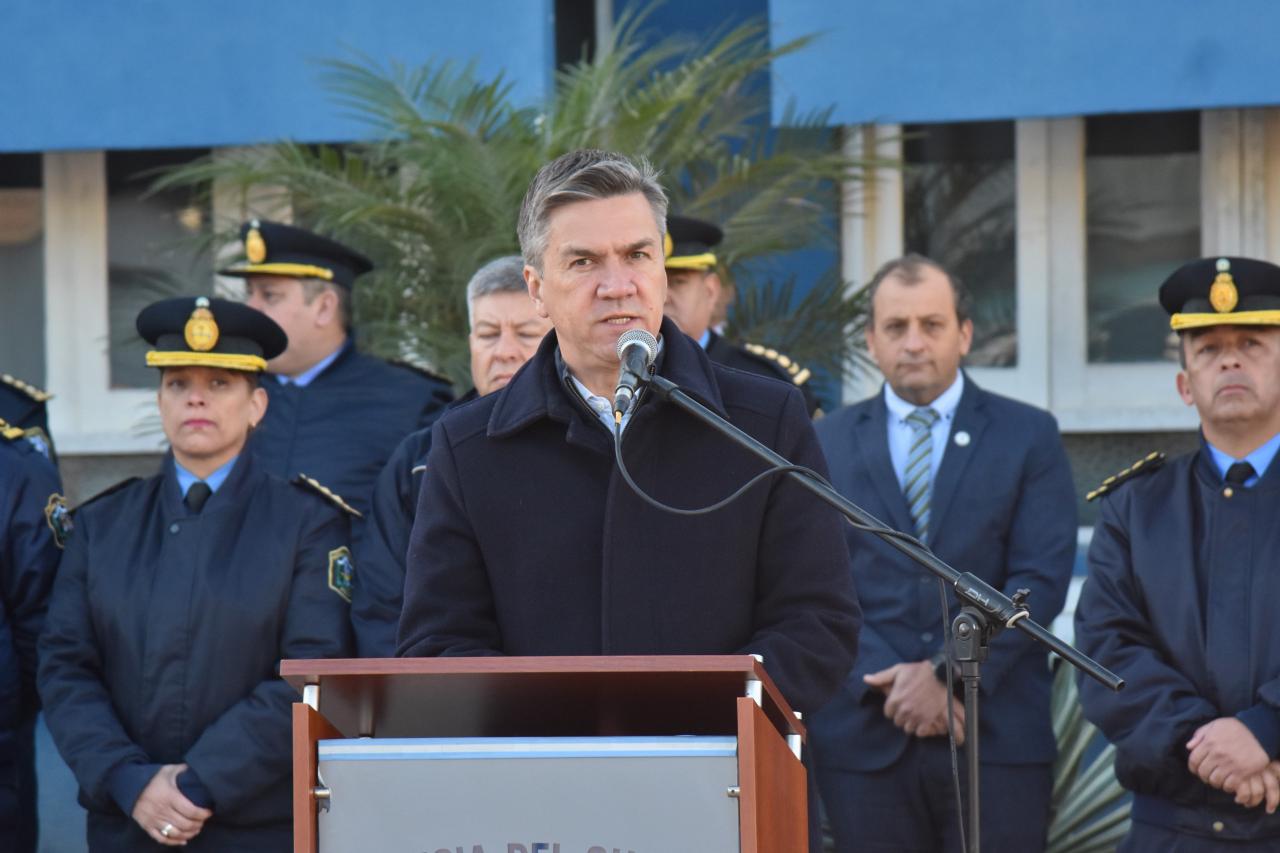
{"x": 900, "y": 431}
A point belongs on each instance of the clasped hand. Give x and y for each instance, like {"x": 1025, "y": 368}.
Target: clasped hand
{"x": 162, "y": 804}
{"x": 916, "y": 701}
{"x": 1225, "y": 754}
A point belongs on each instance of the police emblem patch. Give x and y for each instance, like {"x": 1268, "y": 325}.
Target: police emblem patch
{"x": 58, "y": 517}
{"x": 342, "y": 572}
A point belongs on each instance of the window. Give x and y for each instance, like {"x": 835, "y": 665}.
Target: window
{"x": 22, "y": 267}
{"x": 153, "y": 251}
{"x": 960, "y": 209}
{"x": 1142, "y": 180}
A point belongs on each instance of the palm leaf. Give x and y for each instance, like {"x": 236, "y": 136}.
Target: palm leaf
{"x": 434, "y": 190}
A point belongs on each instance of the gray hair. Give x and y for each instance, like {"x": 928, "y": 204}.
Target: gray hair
{"x": 583, "y": 175}
{"x": 503, "y": 275}
{"x": 910, "y": 268}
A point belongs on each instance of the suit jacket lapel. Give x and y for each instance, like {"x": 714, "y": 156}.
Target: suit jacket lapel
{"x": 872, "y": 441}
{"x": 970, "y": 419}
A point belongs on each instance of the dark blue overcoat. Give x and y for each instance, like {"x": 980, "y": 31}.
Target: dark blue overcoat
{"x": 28, "y": 561}
{"x": 1181, "y": 603}
{"x": 528, "y": 542}
{"x": 378, "y": 595}
{"x": 163, "y": 643}
{"x": 342, "y": 428}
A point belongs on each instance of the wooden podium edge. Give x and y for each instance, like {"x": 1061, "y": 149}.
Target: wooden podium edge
{"x": 308, "y": 728}
{"x": 773, "y": 805}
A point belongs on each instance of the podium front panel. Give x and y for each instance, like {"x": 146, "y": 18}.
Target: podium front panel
{"x": 530, "y": 795}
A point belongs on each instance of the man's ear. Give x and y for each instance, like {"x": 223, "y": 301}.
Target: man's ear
{"x": 1183, "y": 384}
{"x": 533, "y": 281}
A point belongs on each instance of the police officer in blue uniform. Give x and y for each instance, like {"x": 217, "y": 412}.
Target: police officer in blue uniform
{"x": 336, "y": 414}
{"x": 32, "y": 518}
{"x": 505, "y": 333}
{"x": 24, "y": 406}
{"x": 693, "y": 290}
{"x": 176, "y": 599}
{"x": 1184, "y": 576}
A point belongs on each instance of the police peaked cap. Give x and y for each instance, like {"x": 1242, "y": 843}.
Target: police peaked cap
{"x": 1222, "y": 291}
{"x": 273, "y": 248}
{"x": 204, "y": 331}
{"x": 689, "y": 243}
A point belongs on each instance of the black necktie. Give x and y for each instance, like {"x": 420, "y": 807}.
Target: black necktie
{"x": 197, "y": 495}
{"x": 1238, "y": 473}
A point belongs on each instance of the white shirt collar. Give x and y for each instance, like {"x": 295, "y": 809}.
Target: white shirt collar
{"x": 944, "y": 404}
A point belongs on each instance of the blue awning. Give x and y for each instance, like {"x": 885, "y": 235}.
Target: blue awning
{"x": 941, "y": 60}
{"x": 162, "y": 74}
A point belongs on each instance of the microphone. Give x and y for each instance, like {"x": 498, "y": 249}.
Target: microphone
{"x": 637, "y": 349}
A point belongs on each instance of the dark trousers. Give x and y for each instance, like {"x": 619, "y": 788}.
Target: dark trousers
{"x": 910, "y": 807}
{"x": 19, "y": 827}
{"x": 1150, "y": 838}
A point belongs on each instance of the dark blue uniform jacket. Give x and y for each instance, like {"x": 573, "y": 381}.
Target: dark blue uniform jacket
{"x": 163, "y": 642}
{"x": 28, "y": 561}
{"x": 528, "y": 542}
{"x": 1004, "y": 508}
{"x": 343, "y": 426}
{"x": 1181, "y": 603}
{"x": 378, "y": 593}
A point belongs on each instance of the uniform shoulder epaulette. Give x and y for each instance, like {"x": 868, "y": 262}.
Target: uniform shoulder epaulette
{"x": 324, "y": 491}
{"x": 30, "y": 390}
{"x": 419, "y": 369}
{"x": 109, "y": 490}
{"x": 798, "y": 375}
{"x": 1146, "y": 464}
{"x": 10, "y": 432}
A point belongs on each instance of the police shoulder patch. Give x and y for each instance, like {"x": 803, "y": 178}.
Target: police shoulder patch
{"x": 324, "y": 491}
{"x": 797, "y": 374}
{"x": 30, "y": 390}
{"x": 342, "y": 572}
{"x": 1145, "y": 465}
{"x": 58, "y": 517}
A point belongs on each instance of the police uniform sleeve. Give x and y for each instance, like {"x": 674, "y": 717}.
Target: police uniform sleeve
{"x": 77, "y": 705}
{"x": 28, "y": 563}
{"x": 1041, "y": 546}
{"x": 378, "y": 592}
{"x": 1150, "y": 720}
{"x": 807, "y": 614}
{"x": 247, "y": 748}
{"x": 448, "y": 603}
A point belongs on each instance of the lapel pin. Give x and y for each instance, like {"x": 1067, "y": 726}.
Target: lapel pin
{"x": 962, "y": 439}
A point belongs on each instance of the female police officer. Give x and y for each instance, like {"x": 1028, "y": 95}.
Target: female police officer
{"x": 176, "y": 598}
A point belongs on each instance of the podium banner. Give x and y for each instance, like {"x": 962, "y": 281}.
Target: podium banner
{"x": 530, "y": 795}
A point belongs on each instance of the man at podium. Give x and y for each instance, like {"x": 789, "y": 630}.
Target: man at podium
{"x": 528, "y": 541}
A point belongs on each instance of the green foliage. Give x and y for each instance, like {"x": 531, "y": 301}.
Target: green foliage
{"x": 1090, "y": 809}
{"x": 437, "y": 193}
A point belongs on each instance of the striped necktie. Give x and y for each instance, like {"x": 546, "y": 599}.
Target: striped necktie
{"x": 917, "y": 478}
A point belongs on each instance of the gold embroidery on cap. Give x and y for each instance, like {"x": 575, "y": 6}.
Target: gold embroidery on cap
{"x": 201, "y": 331}
{"x": 1223, "y": 296}
{"x": 255, "y": 248}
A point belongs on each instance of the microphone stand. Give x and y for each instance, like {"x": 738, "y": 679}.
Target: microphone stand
{"x": 985, "y": 611}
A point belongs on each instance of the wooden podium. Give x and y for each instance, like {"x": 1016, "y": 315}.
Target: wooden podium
{"x": 500, "y": 697}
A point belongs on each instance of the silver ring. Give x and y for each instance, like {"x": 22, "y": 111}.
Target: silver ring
{"x": 167, "y": 830}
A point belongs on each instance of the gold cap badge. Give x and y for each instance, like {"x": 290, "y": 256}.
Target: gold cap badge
{"x": 255, "y": 248}
{"x": 1223, "y": 296}
{"x": 201, "y": 331}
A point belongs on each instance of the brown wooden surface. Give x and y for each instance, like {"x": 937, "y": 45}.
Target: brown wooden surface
{"x": 537, "y": 696}
{"x": 773, "y": 802}
{"x": 308, "y": 727}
